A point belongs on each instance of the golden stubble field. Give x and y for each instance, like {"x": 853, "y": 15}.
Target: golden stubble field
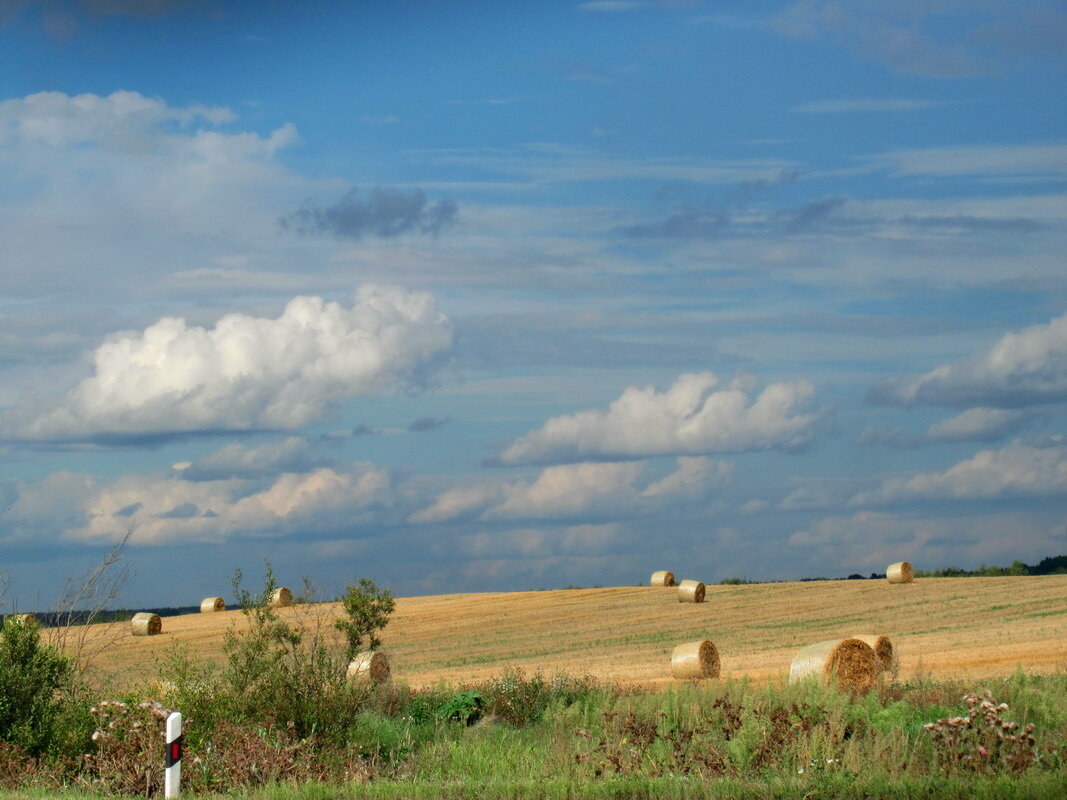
{"x": 941, "y": 627}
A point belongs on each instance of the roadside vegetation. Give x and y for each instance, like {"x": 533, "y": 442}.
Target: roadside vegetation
{"x": 276, "y": 717}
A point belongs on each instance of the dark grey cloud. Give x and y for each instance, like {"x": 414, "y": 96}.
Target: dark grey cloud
{"x": 384, "y": 213}
{"x": 938, "y": 38}
{"x": 738, "y": 215}
{"x": 426, "y": 424}
{"x": 808, "y": 216}
{"x": 687, "y": 223}
{"x": 690, "y": 223}
{"x": 969, "y": 223}
{"x": 184, "y": 511}
{"x": 63, "y": 19}
{"x": 716, "y": 217}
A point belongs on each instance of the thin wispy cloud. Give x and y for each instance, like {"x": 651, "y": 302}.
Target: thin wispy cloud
{"x": 866, "y": 105}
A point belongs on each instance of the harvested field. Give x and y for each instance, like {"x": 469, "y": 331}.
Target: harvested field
{"x": 940, "y": 627}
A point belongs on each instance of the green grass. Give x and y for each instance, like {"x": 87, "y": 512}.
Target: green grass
{"x": 557, "y": 740}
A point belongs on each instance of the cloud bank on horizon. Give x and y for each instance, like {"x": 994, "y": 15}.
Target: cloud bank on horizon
{"x": 767, "y": 292}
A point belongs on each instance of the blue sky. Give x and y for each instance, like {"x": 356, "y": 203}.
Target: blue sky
{"x": 475, "y": 296}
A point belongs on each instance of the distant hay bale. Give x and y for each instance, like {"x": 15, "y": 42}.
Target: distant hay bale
{"x": 847, "y": 663}
{"x": 695, "y": 660}
{"x": 281, "y": 597}
{"x": 371, "y": 666}
{"x": 901, "y": 572}
{"x": 883, "y": 648}
{"x": 146, "y": 624}
{"x": 691, "y": 592}
{"x": 211, "y": 604}
{"x": 21, "y": 619}
{"x": 662, "y": 578}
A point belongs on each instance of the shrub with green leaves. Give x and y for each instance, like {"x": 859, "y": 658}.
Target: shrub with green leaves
{"x": 32, "y": 679}
{"x": 367, "y": 610}
{"x": 277, "y": 669}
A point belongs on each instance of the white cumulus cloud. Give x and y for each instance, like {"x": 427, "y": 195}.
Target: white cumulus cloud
{"x": 587, "y": 488}
{"x": 121, "y": 119}
{"x": 693, "y": 416}
{"x": 248, "y": 372}
{"x": 162, "y": 510}
{"x": 977, "y": 424}
{"x": 570, "y": 489}
{"x": 1022, "y": 369}
{"x": 1016, "y": 470}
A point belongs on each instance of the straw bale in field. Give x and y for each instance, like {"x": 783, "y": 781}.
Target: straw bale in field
{"x": 21, "y": 619}
{"x": 695, "y": 660}
{"x": 281, "y": 597}
{"x": 369, "y": 666}
{"x": 211, "y": 604}
{"x": 691, "y": 592}
{"x": 883, "y": 648}
{"x": 146, "y": 624}
{"x": 901, "y": 572}
{"x": 847, "y": 663}
{"x": 662, "y": 578}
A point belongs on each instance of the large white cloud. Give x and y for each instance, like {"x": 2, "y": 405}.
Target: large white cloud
{"x": 161, "y": 510}
{"x": 119, "y": 120}
{"x": 1022, "y": 369}
{"x": 1017, "y": 470}
{"x": 692, "y": 416}
{"x": 249, "y": 372}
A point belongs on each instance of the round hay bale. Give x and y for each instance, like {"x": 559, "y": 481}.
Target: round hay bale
{"x": 211, "y": 604}
{"x": 883, "y": 648}
{"x": 21, "y": 619}
{"x": 901, "y": 572}
{"x": 662, "y": 578}
{"x": 281, "y": 597}
{"x": 695, "y": 660}
{"x": 847, "y": 663}
{"x": 371, "y": 666}
{"x": 691, "y": 592}
{"x": 146, "y": 624}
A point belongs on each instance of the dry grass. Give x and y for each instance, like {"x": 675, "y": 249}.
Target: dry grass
{"x": 943, "y": 627}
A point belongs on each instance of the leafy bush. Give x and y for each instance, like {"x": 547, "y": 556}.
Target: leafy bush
{"x": 367, "y": 609}
{"x": 465, "y": 707}
{"x": 520, "y": 700}
{"x": 276, "y": 670}
{"x": 33, "y": 683}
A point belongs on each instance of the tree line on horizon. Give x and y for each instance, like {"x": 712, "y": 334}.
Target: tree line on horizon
{"x": 1050, "y": 565}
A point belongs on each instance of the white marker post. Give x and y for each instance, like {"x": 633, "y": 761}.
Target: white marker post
{"x": 172, "y": 781}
